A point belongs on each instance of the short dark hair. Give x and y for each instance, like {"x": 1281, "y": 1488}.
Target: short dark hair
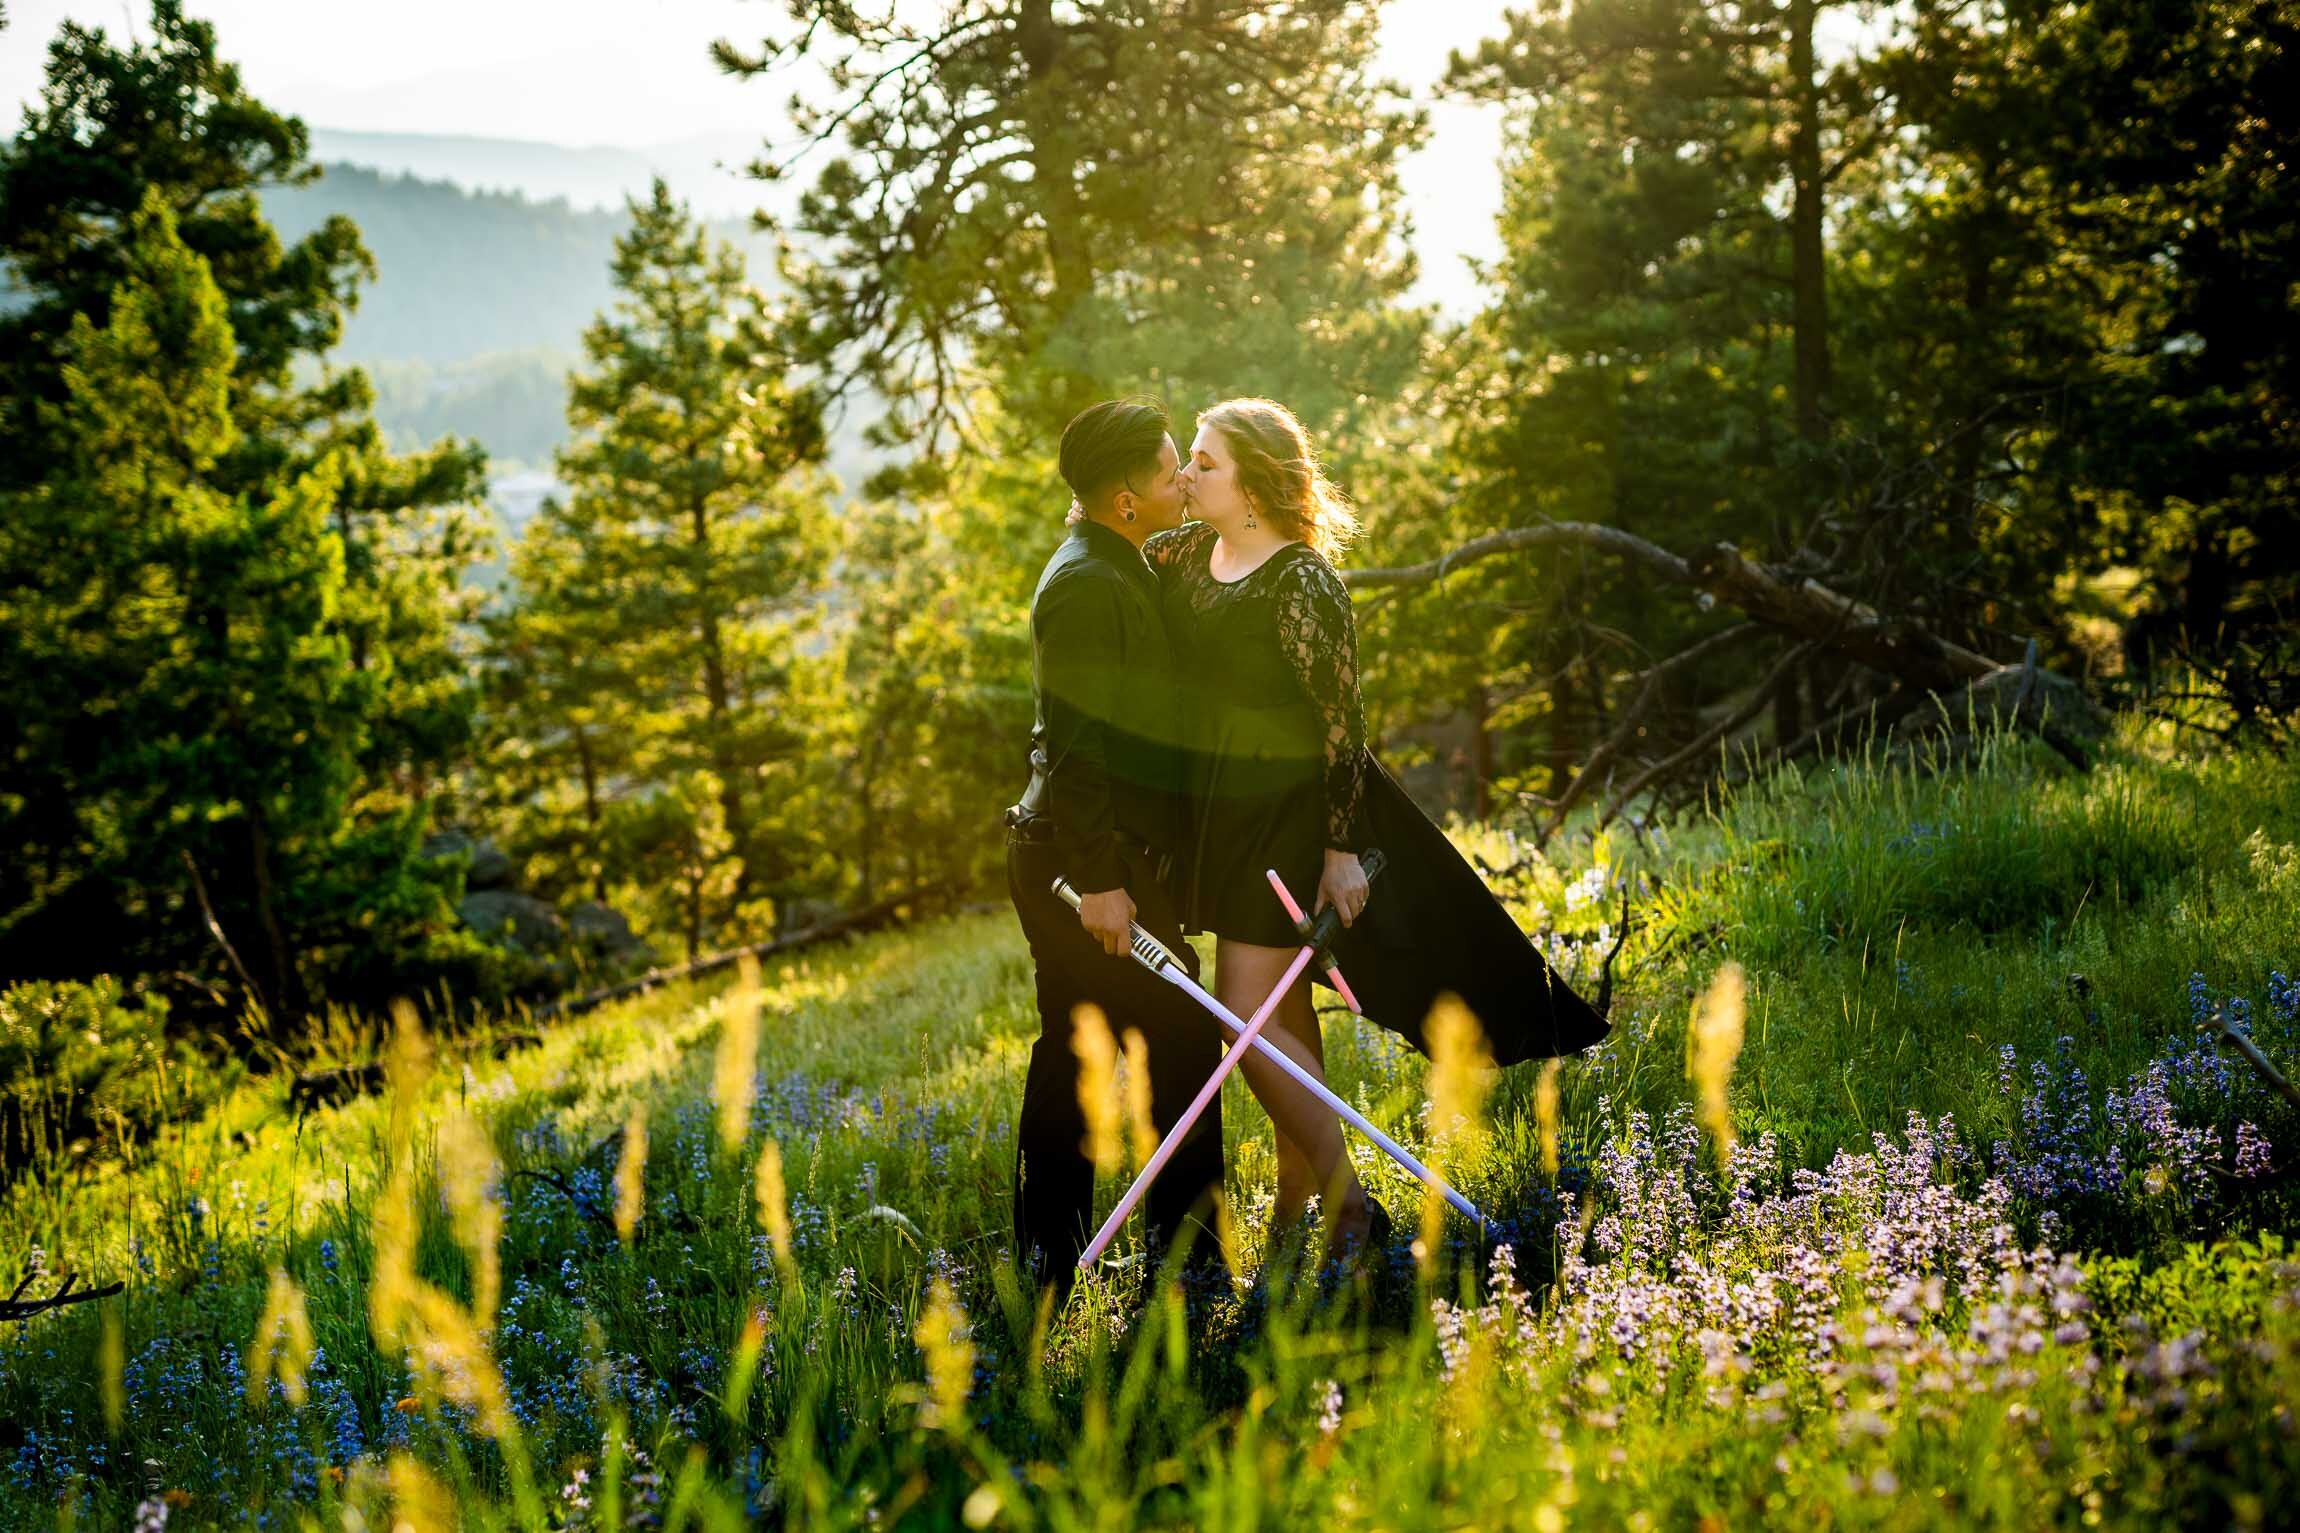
{"x": 1110, "y": 443}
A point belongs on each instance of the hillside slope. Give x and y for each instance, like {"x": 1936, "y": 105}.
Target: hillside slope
{"x": 1969, "y": 1054}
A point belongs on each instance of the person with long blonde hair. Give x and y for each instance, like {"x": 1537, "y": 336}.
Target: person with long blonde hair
{"x": 1266, "y": 651}
{"x": 1280, "y": 778}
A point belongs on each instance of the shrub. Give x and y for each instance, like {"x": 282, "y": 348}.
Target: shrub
{"x": 80, "y": 1069}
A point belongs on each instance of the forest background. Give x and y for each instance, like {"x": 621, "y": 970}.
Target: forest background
{"x": 1982, "y": 320}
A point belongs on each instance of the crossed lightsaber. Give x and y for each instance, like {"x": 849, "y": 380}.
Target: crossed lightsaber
{"x": 1317, "y": 942}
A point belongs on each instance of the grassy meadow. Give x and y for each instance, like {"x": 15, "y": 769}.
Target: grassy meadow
{"x": 1907, "y": 1191}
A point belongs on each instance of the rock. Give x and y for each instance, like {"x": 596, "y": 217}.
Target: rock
{"x": 603, "y": 929}
{"x": 2022, "y": 697}
{"x": 490, "y": 867}
{"x": 803, "y": 915}
{"x": 327, "y": 1088}
{"x": 522, "y": 920}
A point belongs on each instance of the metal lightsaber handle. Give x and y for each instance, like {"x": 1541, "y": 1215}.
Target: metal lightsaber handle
{"x": 1319, "y": 932}
{"x": 1158, "y": 959}
{"x": 1317, "y": 936}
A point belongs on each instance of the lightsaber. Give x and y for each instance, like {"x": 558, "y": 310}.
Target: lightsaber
{"x": 1250, "y": 1034}
{"x": 1317, "y": 939}
{"x": 1154, "y": 955}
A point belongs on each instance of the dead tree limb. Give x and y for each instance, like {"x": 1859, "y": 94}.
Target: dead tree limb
{"x": 1804, "y": 609}
{"x": 2236, "y": 1039}
{"x": 17, "y": 1307}
{"x": 1798, "y": 607}
{"x": 1810, "y": 610}
{"x": 1516, "y": 540}
{"x": 1699, "y": 745}
{"x": 1614, "y": 743}
{"x": 216, "y": 927}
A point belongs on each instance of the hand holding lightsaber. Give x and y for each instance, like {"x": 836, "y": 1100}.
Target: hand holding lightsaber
{"x": 1154, "y": 955}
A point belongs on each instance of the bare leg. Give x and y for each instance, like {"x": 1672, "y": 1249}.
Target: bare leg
{"x": 1311, "y": 1155}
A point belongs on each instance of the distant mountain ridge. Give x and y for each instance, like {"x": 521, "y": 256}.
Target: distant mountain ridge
{"x": 706, "y": 171}
{"x": 462, "y": 274}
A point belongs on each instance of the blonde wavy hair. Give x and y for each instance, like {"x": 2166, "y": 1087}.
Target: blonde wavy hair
{"x": 1279, "y": 469}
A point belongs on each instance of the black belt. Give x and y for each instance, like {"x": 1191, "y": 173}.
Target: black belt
{"x": 1022, "y": 825}
{"x": 1040, "y": 830}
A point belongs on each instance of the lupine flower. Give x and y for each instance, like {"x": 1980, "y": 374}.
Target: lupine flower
{"x": 2252, "y": 1157}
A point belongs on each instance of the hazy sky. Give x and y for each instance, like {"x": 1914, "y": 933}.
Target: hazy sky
{"x": 635, "y": 73}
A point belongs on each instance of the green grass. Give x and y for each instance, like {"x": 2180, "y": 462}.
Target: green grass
{"x": 1898, "y": 932}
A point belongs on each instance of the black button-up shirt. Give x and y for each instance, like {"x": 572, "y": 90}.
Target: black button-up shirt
{"x": 1104, "y": 763}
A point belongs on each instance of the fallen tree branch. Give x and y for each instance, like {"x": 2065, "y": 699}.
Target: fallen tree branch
{"x": 1517, "y": 539}
{"x": 1613, "y": 744}
{"x": 17, "y": 1307}
{"x": 216, "y": 927}
{"x": 2236, "y": 1039}
{"x": 1782, "y": 601}
{"x": 1604, "y": 1002}
{"x": 1700, "y": 743}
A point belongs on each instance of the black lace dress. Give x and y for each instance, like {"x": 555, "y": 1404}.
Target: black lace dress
{"x": 1267, "y": 674}
{"x": 1269, "y": 697}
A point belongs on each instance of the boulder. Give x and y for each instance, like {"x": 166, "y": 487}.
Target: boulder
{"x": 521, "y": 920}
{"x": 2023, "y": 697}
{"x": 603, "y": 929}
{"x": 490, "y": 867}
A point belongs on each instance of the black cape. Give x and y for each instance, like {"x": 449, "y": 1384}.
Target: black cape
{"x": 1431, "y": 925}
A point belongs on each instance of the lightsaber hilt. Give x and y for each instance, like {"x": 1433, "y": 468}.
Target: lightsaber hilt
{"x": 1318, "y": 932}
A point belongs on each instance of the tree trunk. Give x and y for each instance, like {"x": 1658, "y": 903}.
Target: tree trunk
{"x": 1809, "y": 307}
{"x": 717, "y": 698}
{"x": 1789, "y": 706}
{"x": 1069, "y": 252}
{"x": 1565, "y": 741}
{"x": 590, "y": 771}
{"x": 1480, "y": 753}
{"x": 276, "y": 960}
{"x": 867, "y": 853}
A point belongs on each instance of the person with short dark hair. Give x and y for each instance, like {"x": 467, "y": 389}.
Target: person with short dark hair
{"x": 1104, "y": 809}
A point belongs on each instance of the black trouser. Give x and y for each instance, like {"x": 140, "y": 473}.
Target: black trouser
{"x": 1053, "y": 1178}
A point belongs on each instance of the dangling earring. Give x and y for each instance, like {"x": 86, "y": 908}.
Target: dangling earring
{"x": 1251, "y": 524}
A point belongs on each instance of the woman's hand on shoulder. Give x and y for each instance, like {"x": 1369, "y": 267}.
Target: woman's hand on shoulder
{"x": 1343, "y": 885}
{"x": 1159, "y": 548}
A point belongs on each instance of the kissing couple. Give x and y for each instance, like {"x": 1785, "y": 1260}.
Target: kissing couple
{"x": 1194, "y": 664}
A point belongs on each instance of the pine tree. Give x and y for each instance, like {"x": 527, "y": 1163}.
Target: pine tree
{"x": 1053, "y": 204}
{"x": 175, "y": 664}
{"x": 681, "y": 569}
{"x": 168, "y": 112}
{"x": 167, "y": 117}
